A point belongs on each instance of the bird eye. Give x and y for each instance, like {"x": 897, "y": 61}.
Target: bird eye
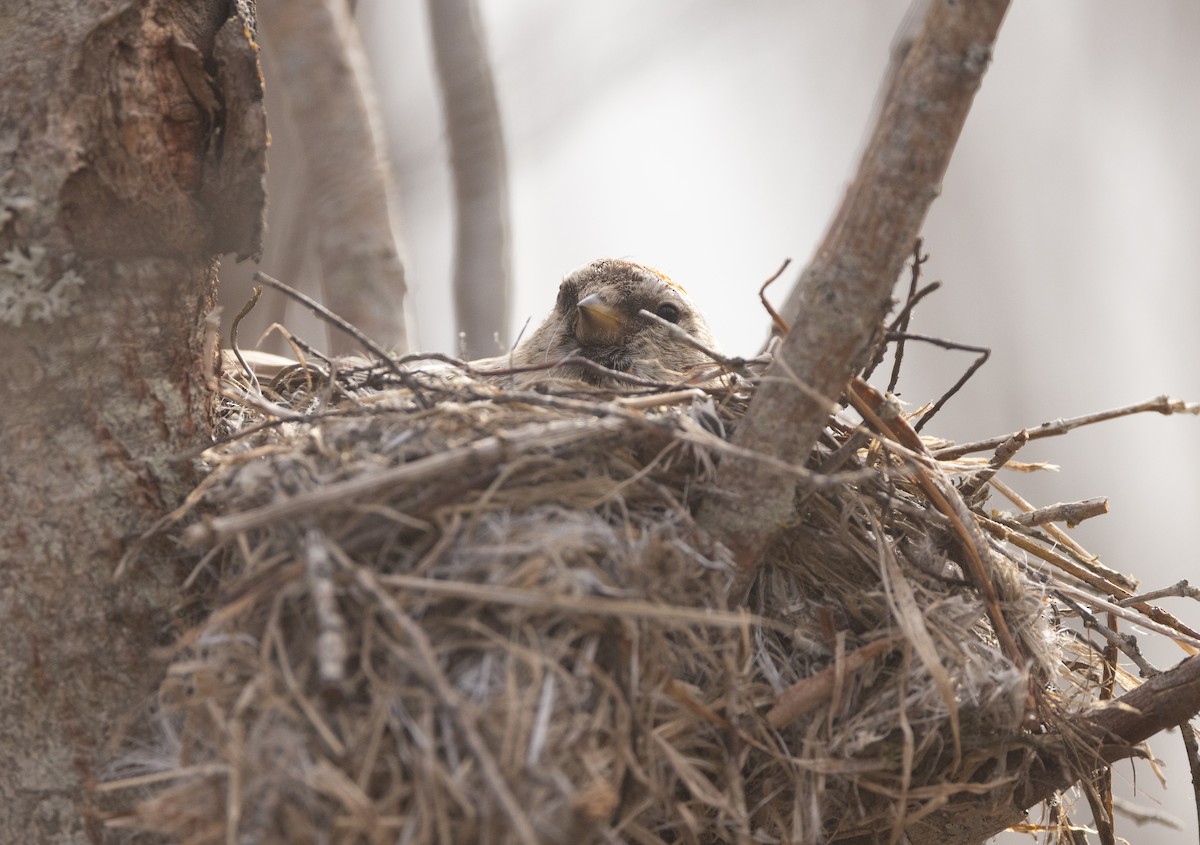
{"x": 567, "y": 297}
{"x": 669, "y": 311}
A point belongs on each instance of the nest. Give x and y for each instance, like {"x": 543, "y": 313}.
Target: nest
{"x": 430, "y": 609}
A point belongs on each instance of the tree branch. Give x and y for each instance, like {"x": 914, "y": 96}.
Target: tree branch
{"x": 327, "y": 84}
{"x": 843, "y": 295}
{"x": 1168, "y": 699}
{"x": 1163, "y": 701}
{"x": 482, "y": 276}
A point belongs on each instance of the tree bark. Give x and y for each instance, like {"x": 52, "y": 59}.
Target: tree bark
{"x": 1162, "y": 702}
{"x": 346, "y": 214}
{"x": 839, "y": 303}
{"x": 131, "y": 147}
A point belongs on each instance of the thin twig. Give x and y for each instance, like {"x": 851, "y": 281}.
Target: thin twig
{"x": 780, "y": 324}
{"x": 1079, "y": 565}
{"x": 900, "y": 322}
{"x": 475, "y": 370}
{"x": 1134, "y": 615}
{"x": 1181, "y": 588}
{"x": 1126, "y": 643}
{"x": 810, "y": 692}
{"x": 201, "y": 770}
{"x": 1164, "y": 405}
{"x": 1098, "y": 787}
{"x": 910, "y": 304}
{"x": 261, "y": 404}
{"x": 1192, "y": 749}
{"x": 973, "y": 489}
{"x": 1015, "y": 534}
{"x": 1145, "y": 815}
{"x": 676, "y": 331}
{"x": 512, "y": 350}
{"x": 1072, "y": 513}
{"x": 326, "y": 315}
{"x": 353, "y": 331}
{"x": 1061, "y": 537}
{"x": 982, "y": 351}
{"x": 483, "y": 452}
{"x": 233, "y": 336}
{"x": 529, "y": 597}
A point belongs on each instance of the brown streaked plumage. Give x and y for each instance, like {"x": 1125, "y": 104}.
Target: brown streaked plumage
{"x": 597, "y": 317}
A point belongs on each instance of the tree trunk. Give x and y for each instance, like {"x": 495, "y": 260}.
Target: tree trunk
{"x": 132, "y": 142}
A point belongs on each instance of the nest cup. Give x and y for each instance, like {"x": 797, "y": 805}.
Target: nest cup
{"x": 459, "y": 613}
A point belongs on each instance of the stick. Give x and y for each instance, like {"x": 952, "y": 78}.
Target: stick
{"x": 974, "y": 486}
{"x": 1072, "y": 513}
{"x": 809, "y": 693}
{"x": 780, "y": 324}
{"x": 677, "y": 332}
{"x": 338, "y": 322}
{"x": 483, "y": 452}
{"x": 1169, "y": 698}
{"x": 1164, "y": 405}
{"x": 837, "y": 308}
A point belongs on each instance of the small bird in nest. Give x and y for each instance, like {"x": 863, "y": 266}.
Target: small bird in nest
{"x": 598, "y": 317}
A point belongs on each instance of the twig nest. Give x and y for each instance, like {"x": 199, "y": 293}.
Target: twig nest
{"x": 479, "y": 615}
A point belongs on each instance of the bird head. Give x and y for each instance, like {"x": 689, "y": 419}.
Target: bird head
{"x": 598, "y": 316}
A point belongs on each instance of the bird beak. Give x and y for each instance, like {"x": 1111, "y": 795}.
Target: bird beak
{"x": 599, "y": 323}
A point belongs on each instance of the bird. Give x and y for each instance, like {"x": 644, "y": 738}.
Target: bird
{"x": 597, "y": 317}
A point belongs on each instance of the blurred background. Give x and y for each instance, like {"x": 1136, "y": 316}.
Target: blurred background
{"x": 714, "y": 139}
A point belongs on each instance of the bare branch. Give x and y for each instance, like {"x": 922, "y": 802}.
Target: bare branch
{"x": 836, "y": 310}
{"x": 1072, "y": 513}
{"x": 974, "y": 486}
{"x": 1169, "y": 698}
{"x": 1180, "y": 588}
{"x": 1117, "y": 729}
{"x": 1164, "y": 405}
{"x": 328, "y": 88}
{"x": 482, "y": 276}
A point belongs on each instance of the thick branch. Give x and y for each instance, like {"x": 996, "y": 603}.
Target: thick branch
{"x": 1168, "y": 699}
{"x": 844, "y": 293}
{"x": 1164, "y": 701}
{"x": 327, "y": 84}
